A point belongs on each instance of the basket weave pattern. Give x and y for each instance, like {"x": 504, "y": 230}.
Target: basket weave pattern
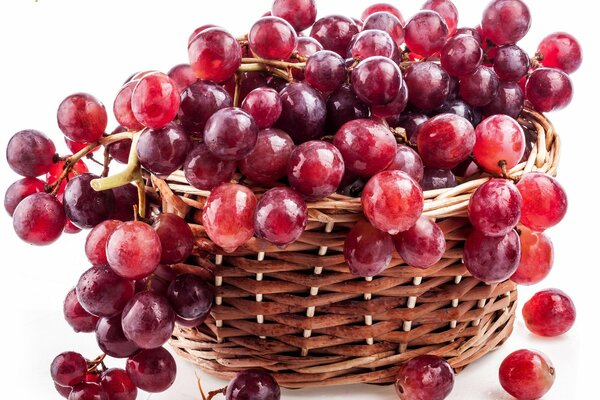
{"x": 298, "y": 312}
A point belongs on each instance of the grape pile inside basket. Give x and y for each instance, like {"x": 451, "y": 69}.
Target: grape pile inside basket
{"x": 317, "y": 202}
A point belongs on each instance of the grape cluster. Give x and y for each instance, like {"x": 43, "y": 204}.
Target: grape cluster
{"x": 376, "y": 108}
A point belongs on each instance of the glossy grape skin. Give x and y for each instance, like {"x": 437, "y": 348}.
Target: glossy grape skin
{"x": 228, "y": 215}
{"x": 492, "y": 259}
{"x": 268, "y": 161}
{"x": 509, "y": 101}
{"x": 95, "y": 243}
{"x": 445, "y": 140}
{"x": 342, "y": 106}
{"x": 122, "y": 108}
{"x": 382, "y": 7}
{"x": 205, "y": 171}
{"x": 158, "y": 282}
{"x": 325, "y": 71}
{"x": 126, "y": 197}
{"x": 111, "y": 339}
{"x": 64, "y": 391}
{"x": 118, "y": 385}
{"x": 370, "y": 43}
{"x": 367, "y": 250}
{"x": 303, "y": 112}
{"x": 230, "y": 134}
{"x": 367, "y": 147}
{"x": 408, "y": 161}
{"x": 392, "y": 201}
{"x": 506, "y": 21}
{"x": 422, "y": 245}
{"x": 68, "y": 369}
{"x": 82, "y": 118}
{"x": 163, "y": 151}
{"x": 428, "y": 85}
{"x": 255, "y": 384}
{"x": 307, "y": 46}
{"x": 395, "y": 107}
{"x": 411, "y": 121}
{"x": 480, "y": 87}
{"x": 133, "y": 250}
{"x": 544, "y": 201}
{"x": 19, "y": 190}
{"x": 176, "y": 238}
{"x": 461, "y": 55}
{"x": 77, "y": 318}
{"x": 495, "y": 207}
{"x": 264, "y": 105}
{"x": 376, "y": 80}
{"x": 434, "y": 179}
{"x": 148, "y": 320}
{"x": 281, "y": 216}
{"x": 424, "y": 377}
{"x": 39, "y": 219}
{"x": 511, "y": 63}
{"x": 30, "y": 153}
{"x": 387, "y": 22}
{"x": 272, "y": 38}
{"x": 84, "y": 206}
{"x": 88, "y": 391}
{"x": 315, "y": 169}
{"x": 425, "y": 33}
{"x": 103, "y": 293}
{"x": 471, "y": 32}
{"x": 215, "y": 55}
{"x": 549, "y": 89}
{"x": 462, "y": 109}
{"x": 199, "y": 29}
{"x": 199, "y": 102}
{"x": 190, "y": 296}
{"x": 119, "y": 151}
{"x": 183, "y": 75}
{"x": 301, "y": 14}
{"x": 334, "y": 32}
{"x": 155, "y": 100}
{"x": 527, "y": 374}
{"x": 248, "y": 82}
{"x": 537, "y": 257}
{"x": 549, "y": 313}
{"x": 499, "y": 138}
{"x": 447, "y": 10}
{"x": 152, "y": 370}
{"x": 560, "y": 50}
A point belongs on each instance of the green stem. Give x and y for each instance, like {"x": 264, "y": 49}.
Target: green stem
{"x": 274, "y": 63}
{"x": 131, "y": 173}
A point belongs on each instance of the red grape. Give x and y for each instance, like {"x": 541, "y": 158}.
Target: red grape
{"x": 303, "y": 112}
{"x": 470, "y": 32}
{"x": 120, "y": 150}
{"x": 550, "y": 312}
{"x": 511, "y": 63}
{"x": 425, "y": 33}
{"x": 315, "y": 169}
{"x": 376, "y": 80}
{"x": 367, "y": 250}
{"x": 58, "y": 168}
{"x": 499, "y": 139}
{"x": 82, "y": 118}
{"x": 264, "y": 105}
{"x": 228, "y": 215}
{"x": 118, "y": 385}
{"x": 176, "y": 238}
{"x": 155, "y": 100}
{"x": 199, "y": 102}
{"x": 122, "y": 108}
{"x": 205, "y": 171}
{"x": 95, "y": 244}
{"x": 480, "y": 87}
{"x": 428, "y": 85}
{"x": 183, "y": 75}
{"x": 268, "y": 161}
{"x": 334, "y": 32}
{"x": 307, "y": 46}
{"x": 549, "y": 89}
{"x": 152, "y": 370}
{"x": 163, "y": 151}
{"x": 408, "y": 161}
{"x": 382, "y": 7}
{"x": 19, "y": 190}
{"x": 148, "y": 320}
{"x": 248, "y": 81}
{"x": 281, "y": 216}
{"x": 370, "y": 43}
{"x": 199, "y": 29}
{"x": 425, "y": 377}
{"x": 30, "y": 153}
{"x": 103, "y": 293}
{"x": 422, "y": 245}
{"x": 88, "y": 391}
{"x": 230, "y": 134}
{"x": 190, "y": 296}
{"x": 68, "y": 369}
{"x": 367, "y": 147}
{"x": 133, "y": 250}
{"x": 560, "y": 50}
{"x": 411, "y": 121}
{"x": 445, "y": 141}
{"x": 272, "y": 38}
{"x": 461, "y": 55}
{"x": 509, "y": 101}
{"x": 301, "y": 14}
{"x": 342, "y": 106}
{"x": 544, "y": 201}
{"x": 215, "y": 55}
{"x": 492, "y": 259}
{"x": 537, "y": 257}
{"x": 495, "y": 207}
{"x": 506, "y": 21}
{"x": 447, "y": 10}
{"x": 111, "y": 338}
{"x": 386, "y": 22}
{"x": 255, "y": 384}
{"x": 39, "y": 219}
{"x": 395, "y": 107}
{"x": 64, "y": 391}
{"x": 325, "y": 71}
{"x": 76, "y": 147}
{"x": 527, "y": 374}
{"x": 79, "y": 319}
{"x": 392, "y": 201}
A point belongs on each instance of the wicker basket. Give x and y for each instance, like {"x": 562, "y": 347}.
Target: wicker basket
{"x": 298, "y": 312}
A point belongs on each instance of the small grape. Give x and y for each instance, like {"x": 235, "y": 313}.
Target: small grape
{"x": 461, "y": 55}
{"x": 122, "y": 108}
{"x": 560, "y": 50}
{"x": 445, "y": 140}
{"x": 334, "y": 32}
{"x": 506, "y": 21}
{"x": 325, "y": 71}
{"x": 118, "y": 385}
{"x": 447, "y": 10}
{"x": 176, "y": 238}
{"x": 537, "y": 257}
{"x": 549, "y": 89}
{"x": 82, "y": 118}
{"x": 255, "y": 384}
{"x": 408, "y": 161}
{"x": 527, "y": 374}
{"x": 199, "y": 102}
{"x": 511, "y": 63}
{"x": 272, "y": 38}
{"x": 264, "y": 105}
{"x": 152, "y": 370}
{"x": 268, "y": 161}
{"x": 301, "y": 14}
{"x": 190, "y": 296}
{"x": 148, "y": 320}
{"x": 544, "y": 201}
{"x": 550, "y": 313}
{"x": 370, "y": 43}
{"x": 111, "y": 338}
{"x": 343, "y": 105}
{"x": 68, "y": 369}
{"x": 424, "y": 377}
{"x": 75, "y": 315}
{"x": 204, "y": 171}
{"x": 163, "y": 151}
{"x": 19, "y": 190}
{"x": 509, "y": 101}
{"x": 183, "y": 75}
{"x": 155, "y": 100}
{"x": 95, "y": 243}
{"x": 428, "y": 85}
{"x": 84, "y": 206}
{"x": 376, "y": 80}
{"x": 103, "y": 293}
{"x": 434, "y": 179}
{"x": 479, "y": 88}
{"x": 39, "y": 219}
{"x": 303, "y": 112}
{"x": 500, "y": 140}
{"x": 382, "y": 7}
{"x": 425, "y": 33}
{"x": 387, "y": 22}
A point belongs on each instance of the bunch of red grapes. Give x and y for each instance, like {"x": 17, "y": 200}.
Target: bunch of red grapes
{"x": 305, "y": 108}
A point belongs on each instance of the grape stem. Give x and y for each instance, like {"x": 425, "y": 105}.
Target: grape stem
{"x": 281, "y": 69}
{"x": 93, "y": 365}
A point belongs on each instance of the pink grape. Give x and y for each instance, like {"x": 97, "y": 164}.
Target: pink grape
{"x": 376, "y": 80}
{"x": 82, "y": 118}
{"x": 370, "y": 43}
{"x": 111, "y": 338}
{"x": 544, "y": 201}
{"x": 461, "y": 55}
{"x": 382, "y": 7}
{"x": 325, "y": 71}
{"x": 537, "y": 257}
{"x": 272, "y": 38}
{"x": 447, "y": 10}
{"x": 133, "y": 250}
{"x": 425, "y": 33}
{"x": 19, "y": 190}
{"x": 408, "y": 161}
{"x": 122, "y": 108}
{"x": 155, "y": 100}
{"x": 75, "y": 315}
{"x": 479, "y": 88}
{"x": 264, "y": 105}
{"x": 387, "y": 22}
{"x": 183, "y": 75}
{"x": 424, "y": 377}
{"x": 301, "y": 14}
{"x": 334, "y": 32}
{"x": 95, "y": 243}
{"x": 549, "y": 89}
{"x": 506, "y": 21}
{"x": 68, "y": 369}
{"x": 39, "y": 219}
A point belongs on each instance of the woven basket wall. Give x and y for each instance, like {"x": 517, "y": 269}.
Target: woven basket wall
{"x": 299, "y": 313}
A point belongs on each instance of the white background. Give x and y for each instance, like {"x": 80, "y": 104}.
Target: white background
{"x": 53, "y": 48}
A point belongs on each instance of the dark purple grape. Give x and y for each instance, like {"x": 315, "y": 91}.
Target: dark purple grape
{"x": 480, "y": 87}
{"x": 120, "y": 150}
{"x": 408, "y": 161}
{"x": 162, "y": 151}
{"x": 39, "y": 219}
{"x": 30, "y": 153}
{"x": 461, "y": 55}
{"x": 248, "y": 81}
{"x": 434, "y": 179}
{"x": 268, "y": 161}
{"x": 395, "y": 107}
{"x": 68, "y": 369}
{"x": 367, "y": 250}
{"x": 198, "y": 102}
{"x": 176, "y": 238}
{"x": 425, "y": 377}
{"x": 254, "y": 384}
{"x": 428, "y": 85}
{"x": 190, "y": 296}
{"x": 325, "y": 71}
{"x": 148, "y": 320}
{"x": 84, "y": 206}
{"x": 492, "y": 259}
{"x": 303, "y": 112}
{"x": 509, "y": 101}
{"x": 152, "y": 370}
{"x": 376, "y": 80}
{"x": 126, "y": 197}
{"x": 343, "y": 105}
{"x": 462, "y": 109}
{"x": 281, "y": 216}
{"x": 103, "y": 293}
{"x": 411, "y": 121}
{"x": 204, "y": 171}
{"x": 334, "y": 32}
{"x": 511, "y": 63}
{"x": 112, "y": 340}
{"x": 422, "y": 245}
{"x": 230, "y": 134}
{"x": 79, "y": 319}
{"x": 549, "y": 89}
{"x": 88, "y": 391}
